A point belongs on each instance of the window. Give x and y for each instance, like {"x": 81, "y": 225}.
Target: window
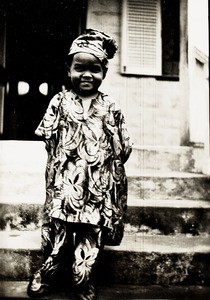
{"x": 43, "y": 88}
{"x": 150, "y": 37}
{"x": 23, "y": 88}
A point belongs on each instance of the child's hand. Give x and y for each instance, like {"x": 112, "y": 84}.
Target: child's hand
{"x": 48, "y": 263}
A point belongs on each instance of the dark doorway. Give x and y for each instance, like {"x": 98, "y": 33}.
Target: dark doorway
{"x": 38, "y": 36}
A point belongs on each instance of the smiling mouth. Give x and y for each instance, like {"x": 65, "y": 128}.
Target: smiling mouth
{"x": 86, "y": 83}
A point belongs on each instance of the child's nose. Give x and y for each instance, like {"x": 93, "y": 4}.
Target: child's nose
{"x": 87, "y": 74}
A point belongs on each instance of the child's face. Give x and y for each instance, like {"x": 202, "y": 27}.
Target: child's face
{"x": 86, "y": 73}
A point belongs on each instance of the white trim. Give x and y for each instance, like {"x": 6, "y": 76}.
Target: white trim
{"x": 124, "y": 36}
{"x": 199, "y": 55}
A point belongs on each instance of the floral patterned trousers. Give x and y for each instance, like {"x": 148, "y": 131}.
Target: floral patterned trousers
{"x": 71, "y": 252}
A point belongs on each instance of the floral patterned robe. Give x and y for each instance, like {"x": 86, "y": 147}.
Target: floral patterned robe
{"x": 85, "y": 175}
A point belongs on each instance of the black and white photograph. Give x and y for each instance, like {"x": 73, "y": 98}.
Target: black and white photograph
{"x": 104, "y": 150}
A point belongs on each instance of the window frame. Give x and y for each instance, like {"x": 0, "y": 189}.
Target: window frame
{"x": 160, "y": 62}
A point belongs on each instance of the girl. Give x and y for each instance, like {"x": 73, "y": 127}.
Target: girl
{"x": 86, "y": 186}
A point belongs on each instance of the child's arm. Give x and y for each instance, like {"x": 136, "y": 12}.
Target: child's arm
{"x": 49, "y": 124}
{"x": 119, "y": 135}
{"x": 122, "y": 136}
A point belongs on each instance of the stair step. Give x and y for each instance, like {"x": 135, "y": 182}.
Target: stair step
{"x": 172, "y": 185}
{"x": 25, "y": 173}
{"x": 22, "y": 186}
{"x": 171, "y": 158}
{"x": 176, "y": 203}
{"x": 30, "y": 187}
{"x": 17, "y": 290}
{"x": 148, "y": 216}
{"x": 22, "y": 169}
{"x": 138, "y": 260}
{"x": 15, "y": 239}
{"x": 163, "y": 216}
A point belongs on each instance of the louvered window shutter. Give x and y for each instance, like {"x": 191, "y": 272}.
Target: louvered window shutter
{"x": 141, "y": 37}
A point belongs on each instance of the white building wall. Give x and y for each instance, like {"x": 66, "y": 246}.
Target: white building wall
{"x": 199, "y": 24}
{"x": 198, "y": 43}
{"x": 152, "y": 107}
{"x": 198, "y": 70}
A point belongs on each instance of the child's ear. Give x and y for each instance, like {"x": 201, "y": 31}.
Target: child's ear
{"x": 69, "y": 73}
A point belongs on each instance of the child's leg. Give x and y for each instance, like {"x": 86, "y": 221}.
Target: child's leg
{"x": 53, "y": 242}
{"x": 88, "y": 241}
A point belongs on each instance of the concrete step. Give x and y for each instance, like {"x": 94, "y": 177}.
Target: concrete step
{"x": 140, "y": 259}
{"x": 29, "y": 187}
{"x": 22, "y": 165}
{"x": 168, "y": 185}
{"x": 22, "y": 168}
{"x": 147, "y": 216}
{"x": 168, "y": 220}
{"x": 17, "y": 290}
{"x": 167, "y": 158}
{"x": 156, "y": 157}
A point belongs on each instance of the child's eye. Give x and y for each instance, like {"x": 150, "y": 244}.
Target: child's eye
{"x": 78, "y": 68}
{"x": 96, "y": 69}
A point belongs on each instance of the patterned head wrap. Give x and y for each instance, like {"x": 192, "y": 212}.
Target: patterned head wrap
{"x": 97, "y": 43}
